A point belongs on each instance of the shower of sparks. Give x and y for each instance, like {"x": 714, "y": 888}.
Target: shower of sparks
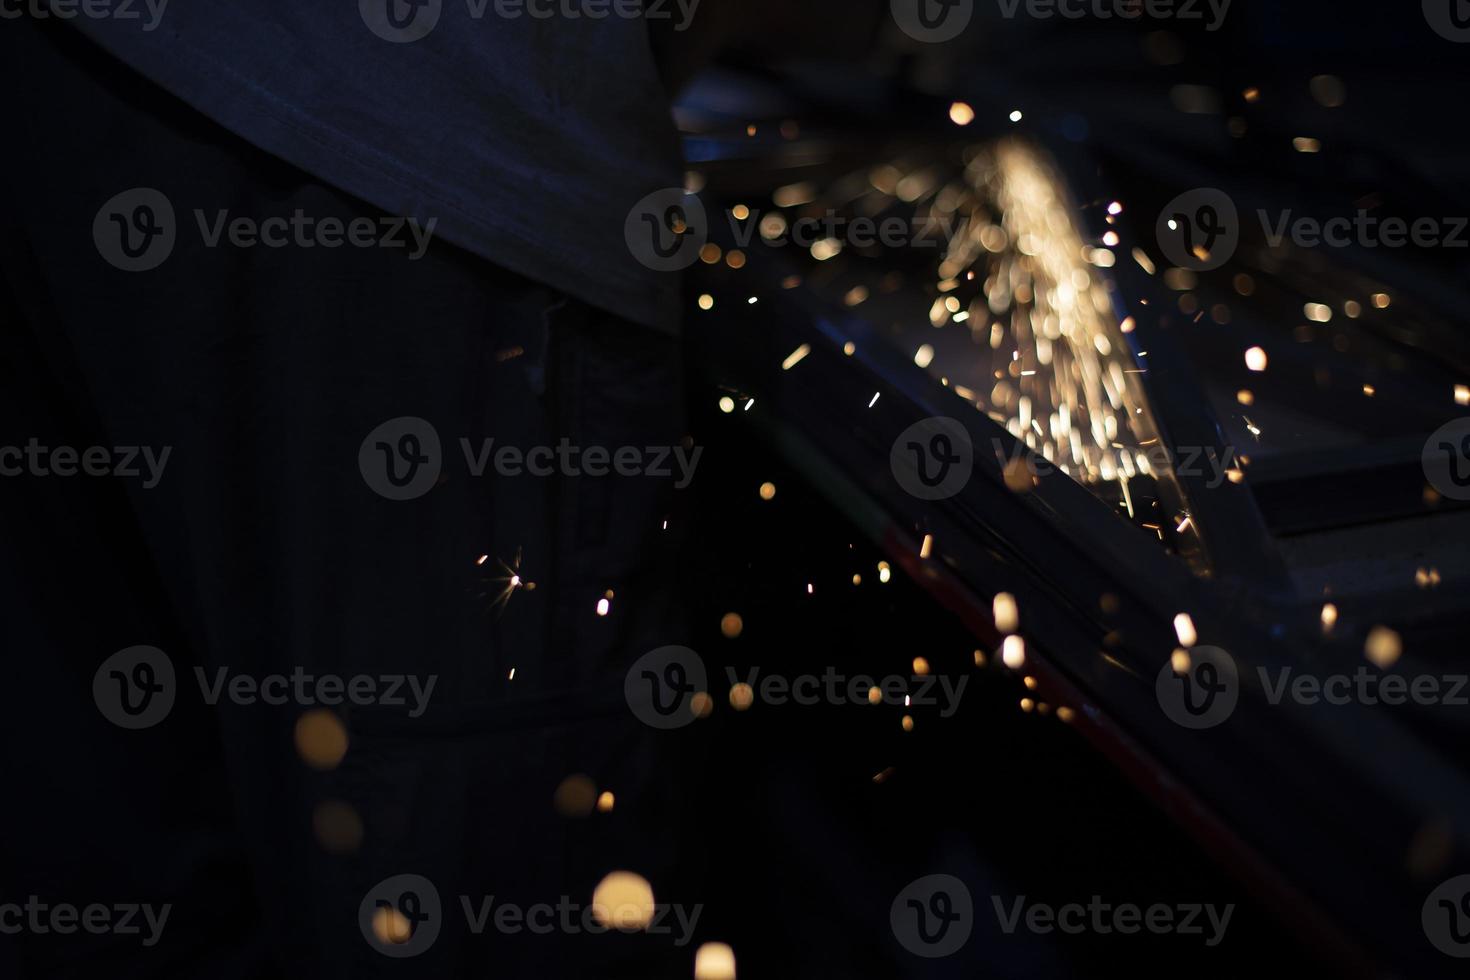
{"x": 1026, "y": 326}
{"x": 1063, "y": 379}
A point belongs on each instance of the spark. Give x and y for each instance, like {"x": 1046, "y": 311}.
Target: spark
{"x": 796, "y": 357}
{"x": 1013, "y": 652}
{"x": 510, "y": 582}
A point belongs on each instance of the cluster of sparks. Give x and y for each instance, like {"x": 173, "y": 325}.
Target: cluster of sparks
{"x": 1049, "y": 357}
{"x": 1060, "y": 360}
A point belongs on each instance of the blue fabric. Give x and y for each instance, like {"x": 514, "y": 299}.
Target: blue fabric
{"x": 528, "y": 139}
